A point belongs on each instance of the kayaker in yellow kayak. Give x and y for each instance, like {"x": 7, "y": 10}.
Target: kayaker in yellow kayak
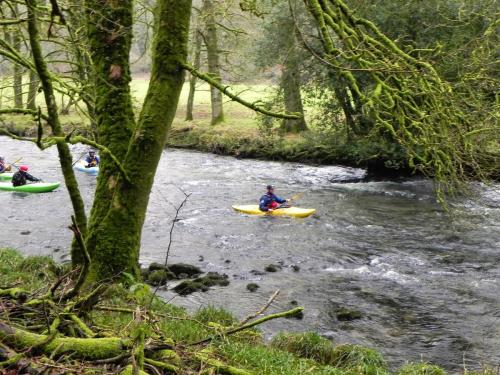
{"x": 19, "y": 178}
{"x": 4, "y": 167}
{"x": 269, "y": 201}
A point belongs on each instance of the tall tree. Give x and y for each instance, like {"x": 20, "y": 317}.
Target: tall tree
{"x": 280, "y": 37}
{"x": 121, "y": 199}
{"x": 196, "y": 43}
{"x": 17, "y": 69}
{"x": 214, "y": 69}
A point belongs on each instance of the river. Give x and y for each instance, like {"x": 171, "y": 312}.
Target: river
{"x": 427, "y": 283}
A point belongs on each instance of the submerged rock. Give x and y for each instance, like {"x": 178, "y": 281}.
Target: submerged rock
{"x": 257, "y": 272}
{"x": 183, "y": 268}
{"x": 160, "y": 277}
{"x": 272, "y": 268}
{"x": 201, "y": 284}
{"x": 344, "y": 314}
{"x": 252, "y": 287}
{"x": 180, "y": 270}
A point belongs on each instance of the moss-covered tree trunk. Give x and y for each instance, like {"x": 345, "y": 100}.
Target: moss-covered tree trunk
{"x": 214, "y": 69}
{"x": 64, "y": 152}
{"x": 32, "y": 91}
{"x": 192, "y": 79}
{"x": 290, "y": 83}
{"x": 119, "y": 209}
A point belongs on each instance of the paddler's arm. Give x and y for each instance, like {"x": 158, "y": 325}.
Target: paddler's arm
{"x": 32, "y": 178}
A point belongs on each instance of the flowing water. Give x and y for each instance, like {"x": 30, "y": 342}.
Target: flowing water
{"x": 428, "y": 285}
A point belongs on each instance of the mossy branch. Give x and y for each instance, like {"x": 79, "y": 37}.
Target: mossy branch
{"x": 264, "y": 319}
{"x": 226, "y": 91}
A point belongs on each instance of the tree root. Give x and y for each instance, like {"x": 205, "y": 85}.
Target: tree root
{"x": 85, "y": 348}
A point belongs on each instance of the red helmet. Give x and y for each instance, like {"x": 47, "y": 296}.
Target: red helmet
{"x": 23, "y": 168}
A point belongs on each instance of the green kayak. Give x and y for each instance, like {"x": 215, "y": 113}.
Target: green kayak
{"x": 6, "y": 176}
{"x": 37, "y": 187}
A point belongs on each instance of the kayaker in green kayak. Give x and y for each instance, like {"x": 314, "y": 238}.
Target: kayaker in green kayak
{"x": 21, "y": 176}
{"x": 4, "y": 167}
{"x": 269, "y": 201}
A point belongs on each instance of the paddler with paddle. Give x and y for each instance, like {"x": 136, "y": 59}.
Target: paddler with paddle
{"x": 4, "y": 167}
{"x": 19, "y": 178}
{"x": 269, "y": 201}
{"x": 92, "y": 159}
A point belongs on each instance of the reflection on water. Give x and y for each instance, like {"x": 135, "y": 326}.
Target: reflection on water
{"x": 426, "y": 284}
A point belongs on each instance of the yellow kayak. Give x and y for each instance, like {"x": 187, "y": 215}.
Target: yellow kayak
{"x": 253, "y": 209}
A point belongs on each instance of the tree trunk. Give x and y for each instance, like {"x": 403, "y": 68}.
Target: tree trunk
{"x": 65, "y": 157}
{"x": 290, "y": 83}
{"x": 213, "y": 60}
{"x": 192, "y": 79}
{"x": 18, "y": 70}
{"x": 119, "y": 209}
{"x": 33, "y": 87}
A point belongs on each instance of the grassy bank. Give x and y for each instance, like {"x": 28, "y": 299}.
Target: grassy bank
{"x": 241, "y": 353}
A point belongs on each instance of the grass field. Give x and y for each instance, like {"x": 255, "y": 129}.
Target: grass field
{"x": 237, "y": 117}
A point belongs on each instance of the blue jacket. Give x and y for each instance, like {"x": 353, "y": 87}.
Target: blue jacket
{"x": 89, "y": 160}
{"x": 267, "y": 199}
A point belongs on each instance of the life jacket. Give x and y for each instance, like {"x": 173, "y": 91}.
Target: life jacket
{"x": 18, "y": 179}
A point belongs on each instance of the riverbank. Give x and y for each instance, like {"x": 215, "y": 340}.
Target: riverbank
{"x": 242, "y": 353}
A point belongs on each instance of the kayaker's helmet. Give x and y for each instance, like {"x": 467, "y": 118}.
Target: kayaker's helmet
{"x": 23, "y": 168}
{"x": 270, "y": 187}
{"x": 91, "y": 152}
{"x": 2, "y": 158}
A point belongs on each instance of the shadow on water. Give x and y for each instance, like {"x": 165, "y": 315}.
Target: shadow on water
{"x": 425, "y": 285}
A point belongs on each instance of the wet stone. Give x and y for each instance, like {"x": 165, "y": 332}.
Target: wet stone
{"x": 295, "y": 268}
{"x": 201, "y": 284}
{"x": 25, "y": 232}
{"x": 252, "y": 287}
{"x": 157, "y": 266}
{"x": 344, "y": 314}
{"x": 272, "y": 268}
{"x": 160, "y": 277}
{"x": 180, "y": 268}
{"x": 257, "y": 272}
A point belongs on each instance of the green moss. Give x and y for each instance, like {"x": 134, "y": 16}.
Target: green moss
{"x": 421, "y": 369}
{"x": 160, "y": 277}
{"x": 305, "y": 345}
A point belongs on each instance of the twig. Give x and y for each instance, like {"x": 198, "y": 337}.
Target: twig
{"x": 264, "y": 308}
{"x": 172, "y": 226}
